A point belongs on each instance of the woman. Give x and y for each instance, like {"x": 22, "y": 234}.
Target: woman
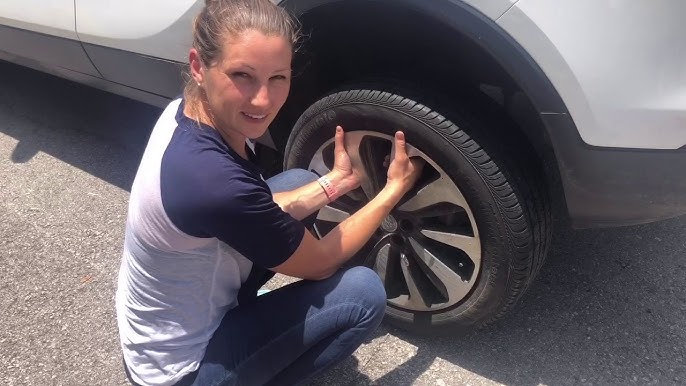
{"x": 203, "y": 228}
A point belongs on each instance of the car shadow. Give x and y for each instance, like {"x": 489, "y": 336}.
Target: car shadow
{"x": 607, "y": 308}
{"x": 100, "y": 133}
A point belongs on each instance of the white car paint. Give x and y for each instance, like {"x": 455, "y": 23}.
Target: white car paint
{"x": 619, "y": 66}
{"x": 158, "y": 28}
{"x": 162, "y": 28}
{"x": 56, "y": 17}
{"x": 493, "y": 9}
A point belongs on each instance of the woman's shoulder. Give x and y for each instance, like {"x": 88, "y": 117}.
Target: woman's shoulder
{"x": 206, "y": 170}
{"x": 198, "y": 188}
{"x": 202, "y": 174}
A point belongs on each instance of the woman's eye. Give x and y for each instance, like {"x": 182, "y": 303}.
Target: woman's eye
{"x": 279, "y": 77}
{"x": 242, "y": 75}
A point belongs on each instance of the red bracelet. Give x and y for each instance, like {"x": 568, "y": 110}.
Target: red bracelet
{"x": 328, "y": 187}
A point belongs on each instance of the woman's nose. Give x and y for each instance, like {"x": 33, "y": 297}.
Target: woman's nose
{"x": 261, "y": 97}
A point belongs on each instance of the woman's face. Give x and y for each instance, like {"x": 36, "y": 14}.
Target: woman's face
{"x": 247, "y": 85}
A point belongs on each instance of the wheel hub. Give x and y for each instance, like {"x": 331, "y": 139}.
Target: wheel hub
{"x": 406, "y": 226}
{"x": 389, "y": 224}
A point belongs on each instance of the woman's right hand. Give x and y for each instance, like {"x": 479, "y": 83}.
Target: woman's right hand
{"x": 403, "y": 172}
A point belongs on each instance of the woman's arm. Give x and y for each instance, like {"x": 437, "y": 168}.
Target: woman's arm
{"x": 318, "y": 259}
{"x": 308, "y": 199}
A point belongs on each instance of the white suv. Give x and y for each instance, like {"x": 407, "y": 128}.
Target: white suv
{"x": 524, "y": 110}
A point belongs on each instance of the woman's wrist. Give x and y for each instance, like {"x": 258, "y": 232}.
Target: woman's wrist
{"x": 329, "y": 187}
{"x": 341, "y": 183}
{"x": 392, "y": 192}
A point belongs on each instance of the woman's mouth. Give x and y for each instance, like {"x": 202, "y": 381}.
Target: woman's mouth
{"x": 254, "y": 117}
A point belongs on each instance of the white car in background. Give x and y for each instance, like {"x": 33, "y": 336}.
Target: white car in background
{"x": 524, "y": 111}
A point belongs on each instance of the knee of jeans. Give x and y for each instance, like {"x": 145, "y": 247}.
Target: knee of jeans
{"x": 365, "y": 285}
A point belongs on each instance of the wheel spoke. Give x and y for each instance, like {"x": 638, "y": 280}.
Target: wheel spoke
{"x": 470, "y": 245}
{"x": 438, "y": 210}
{"x": 318, "y": 231}
{"x": 436, "y": 192}
{"x": 456, "y": 287}
{"x": 331, "y": 214}
{"x": 381, "y": 262}
{"x": 415, "y": 300}
{"x": 317, "y": 164}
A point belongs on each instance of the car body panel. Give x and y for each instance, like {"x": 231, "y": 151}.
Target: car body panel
{"x": 156, "y": 76}
{"x": 492, "y": 9}
{"x": 56, "y": 17}
{"x": 158, "y": 28}
{"x": 607, "y": 187}
{"x": 145, "y": 49}
{"x": 89, "y": 80}
{"x": 45, "y": 50}
{"x": 620, "y": 67}
{"x": 47, "y": 37}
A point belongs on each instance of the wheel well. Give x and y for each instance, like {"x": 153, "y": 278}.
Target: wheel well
{"x": 351, "y": 41}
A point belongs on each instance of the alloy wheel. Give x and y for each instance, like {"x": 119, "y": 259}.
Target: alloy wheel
{"x": 427, "y": 251}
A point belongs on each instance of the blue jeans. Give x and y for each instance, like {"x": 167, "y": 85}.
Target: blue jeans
{"x": 297, "y": 331}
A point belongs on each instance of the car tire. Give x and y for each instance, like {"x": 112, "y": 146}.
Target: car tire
{"x": 449, "y": 268}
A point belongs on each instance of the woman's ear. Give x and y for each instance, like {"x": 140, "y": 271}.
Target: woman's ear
{"x": 197, "y": 70}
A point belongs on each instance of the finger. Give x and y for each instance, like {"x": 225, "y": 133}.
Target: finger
{"x": 339, "y": 139}
{"x": 400, "y": 145}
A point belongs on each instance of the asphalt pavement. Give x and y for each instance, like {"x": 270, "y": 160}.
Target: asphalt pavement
{"x": 608, "y": 308}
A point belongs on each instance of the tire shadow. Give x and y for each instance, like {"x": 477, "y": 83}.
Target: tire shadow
{"x": 609, "y": 307}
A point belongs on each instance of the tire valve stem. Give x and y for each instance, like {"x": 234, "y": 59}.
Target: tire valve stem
{"x": 460, "y": 265}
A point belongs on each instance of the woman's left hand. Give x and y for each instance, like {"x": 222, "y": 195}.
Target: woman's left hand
{"x": 342, "y": 166}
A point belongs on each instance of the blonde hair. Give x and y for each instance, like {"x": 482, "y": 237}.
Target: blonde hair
{"x": 220, "y": 19}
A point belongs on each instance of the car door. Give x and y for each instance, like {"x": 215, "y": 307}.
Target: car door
{"x": 42, "y": 34}
{"x": 140, "y": 44}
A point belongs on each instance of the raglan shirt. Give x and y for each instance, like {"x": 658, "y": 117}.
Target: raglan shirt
{"x": 200, "y": 219}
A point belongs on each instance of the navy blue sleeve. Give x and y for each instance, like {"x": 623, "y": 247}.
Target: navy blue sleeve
{"x": 208, "y": 197}
{"x": 244, "y": 215}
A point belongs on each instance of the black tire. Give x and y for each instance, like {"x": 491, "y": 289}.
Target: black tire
{"x": 496, "y": 173}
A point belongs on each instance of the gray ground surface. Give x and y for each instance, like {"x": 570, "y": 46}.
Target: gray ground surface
{"x": 609, "y": 307}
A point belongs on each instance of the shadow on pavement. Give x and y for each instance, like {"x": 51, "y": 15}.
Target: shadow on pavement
{"x": 50, "y": 115}
{"x": 609, "y": 307}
